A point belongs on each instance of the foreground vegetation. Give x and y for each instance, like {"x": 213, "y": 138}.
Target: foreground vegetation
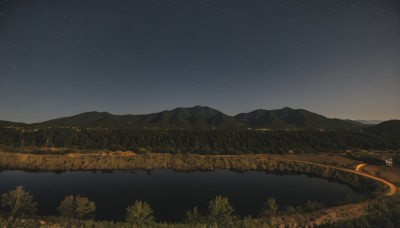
{"x": 383, "y": 212}
{"x": 19, "y": 208}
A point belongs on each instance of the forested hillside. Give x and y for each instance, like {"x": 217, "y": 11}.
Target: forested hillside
{"x": 195, "y": 141}
{"x": 203, "y": 130}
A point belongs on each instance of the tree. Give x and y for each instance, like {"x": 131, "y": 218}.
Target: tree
{"x": 194, "y": 216}
{"x": 19, "y": 202}
{"x": 76, "y": 207}
{"x": 270, "y": 208}
{"x": 140, "y": 214}
{"x": 221, "y": 211}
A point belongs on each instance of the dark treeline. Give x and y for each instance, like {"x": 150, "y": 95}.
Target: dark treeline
{"x": 195, "y": 141}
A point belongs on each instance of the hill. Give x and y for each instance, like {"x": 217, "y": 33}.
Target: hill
{"x": 292, "y": 118}
{"x": 390, "y": 128}
{"x": 202, "y": 117}
{"x": 4, "y": 123}
{"x": 194, "y": 117}
{"x": 83, "y": 119}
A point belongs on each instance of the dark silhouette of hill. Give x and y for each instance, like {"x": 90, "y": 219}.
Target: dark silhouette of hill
{"x": 195, "y": 117}
{"x": 292, "y": 118}
{"x": 4, "y": 123}
{"x": 202, "y": 117}
{"x": 390, "y": 128}
{"x": 135, "y": 132}
{"x": 83, "y": 119}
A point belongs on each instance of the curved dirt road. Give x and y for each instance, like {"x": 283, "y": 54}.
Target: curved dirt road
{"x": 333, "y": 214}
{"x": 392, "y": 188}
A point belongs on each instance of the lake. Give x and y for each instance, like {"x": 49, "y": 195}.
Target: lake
{"x": 171, "y": 193}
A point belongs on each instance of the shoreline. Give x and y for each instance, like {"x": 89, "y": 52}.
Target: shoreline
{"x": 108, "y": 162}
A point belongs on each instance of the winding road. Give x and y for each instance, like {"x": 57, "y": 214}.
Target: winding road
{"x": 392, "y": 188}
{"x": 357, "y": 170}
{"x": 330, "y": 215}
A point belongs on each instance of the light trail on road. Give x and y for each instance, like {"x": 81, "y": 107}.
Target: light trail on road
{"x": 358, "y": 167}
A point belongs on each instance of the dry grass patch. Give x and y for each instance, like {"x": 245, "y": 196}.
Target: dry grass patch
{"x": 326, "y": 159}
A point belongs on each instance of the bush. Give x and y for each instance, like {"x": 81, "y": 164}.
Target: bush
{"x": 76, "y": 207}
{"x": 220, "y": 211}
{"x": 193, "y": 216}
{"x": 140, "y": 214}
{"x": 270, "y": 208}
{"x": 18, "y": 202}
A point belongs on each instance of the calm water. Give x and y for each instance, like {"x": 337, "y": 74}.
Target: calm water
{"x": 172, "y": 193}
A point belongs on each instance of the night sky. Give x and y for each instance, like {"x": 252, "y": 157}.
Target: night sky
{"x": 339, "y": 58}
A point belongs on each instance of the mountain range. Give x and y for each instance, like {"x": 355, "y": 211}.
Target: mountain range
{"x": 371, "y": 122}
{"x": 202, "y": 117}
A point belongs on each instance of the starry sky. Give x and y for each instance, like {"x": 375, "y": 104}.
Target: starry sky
{"x": 338, "y": 58}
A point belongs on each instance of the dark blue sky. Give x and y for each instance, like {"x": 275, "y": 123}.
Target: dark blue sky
{"x": 339, "y": 58}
